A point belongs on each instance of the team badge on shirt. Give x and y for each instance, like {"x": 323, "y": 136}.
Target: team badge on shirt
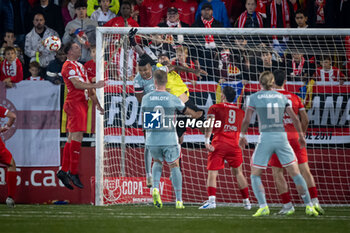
{"x": 72, "y": 72}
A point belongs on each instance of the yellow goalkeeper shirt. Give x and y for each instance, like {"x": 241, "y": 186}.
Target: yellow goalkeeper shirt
{"x": 175, "y": 84}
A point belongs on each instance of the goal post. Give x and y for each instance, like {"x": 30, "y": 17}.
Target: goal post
{"x": 238, "y": 54}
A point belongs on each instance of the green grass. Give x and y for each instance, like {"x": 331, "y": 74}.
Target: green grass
{"x": 85, "y": 218}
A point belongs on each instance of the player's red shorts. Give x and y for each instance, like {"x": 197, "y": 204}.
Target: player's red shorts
{"x": 76, "y": 116}
{"x": 301, "y": 154}
{"x": 5, "y": 154}
{"x": 222, "y": 152}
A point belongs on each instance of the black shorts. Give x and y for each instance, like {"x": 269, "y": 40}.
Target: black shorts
{"x": 182, "y": 117}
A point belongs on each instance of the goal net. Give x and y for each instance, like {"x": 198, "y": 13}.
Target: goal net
{"x": 317, "y": 64}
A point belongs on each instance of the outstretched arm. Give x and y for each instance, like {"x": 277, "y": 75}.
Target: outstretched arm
{"x": 81, "y": 85}
{"x": 12, "y": 117}
{"x": 197, "y": 72}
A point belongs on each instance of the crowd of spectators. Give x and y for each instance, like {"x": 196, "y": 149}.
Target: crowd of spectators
{"x": 26, "y": 23}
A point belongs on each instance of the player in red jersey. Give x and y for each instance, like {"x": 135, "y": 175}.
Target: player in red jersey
{"x": 75, "y": 105}
{"x": 6, "y": 158}
{"x": 301, "y": 154}
{"x": 224, "y": 146}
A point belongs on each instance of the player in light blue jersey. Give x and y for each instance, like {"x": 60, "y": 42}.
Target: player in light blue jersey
{"x": 159, "y": 108}
{"x": 144, "y": 84}
{"x": 271, "y": 107}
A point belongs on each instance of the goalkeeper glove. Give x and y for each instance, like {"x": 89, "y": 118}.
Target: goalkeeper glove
{"x": 131, "y": 35}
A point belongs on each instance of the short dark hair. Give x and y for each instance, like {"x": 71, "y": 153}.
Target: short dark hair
{"x": 145, "y": 59}
{"x": 125, "y": 3}
{"x": 300, "y": 11}
{"x": 9, "y": 48}
{"x": 280, "y": 76}
{"x": 229, "y": 93}
{"x": 67, "y": 47}
{"x": 9, "y": 31}
{"x": 80, "y": 3}
{"x": 160, "y": 77}
{"x": 34, "y": 64}
{"x": 325, "y": 57}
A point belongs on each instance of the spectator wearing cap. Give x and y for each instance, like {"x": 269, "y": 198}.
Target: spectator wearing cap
{"x": 52, "y": 14}
{"x": 81, "y": 30}
{"x": 206, "y": 54}
{"x": 207, "y": 21}
{"x": 125, "y": 19}
{"x": 186, "y": 9}
{"x": 173, "y": 20}
{"x": 219, "y": 11}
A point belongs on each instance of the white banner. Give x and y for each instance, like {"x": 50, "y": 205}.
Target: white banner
{"x": 34, "y": 139}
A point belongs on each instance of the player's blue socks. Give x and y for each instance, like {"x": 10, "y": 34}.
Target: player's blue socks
{"x": 148, "y": 162}
{"x": 299, "y": 181}
{"x": 176, "y": 179}
{"x": 258, "y": 190}
{"x": 157, "y": 173}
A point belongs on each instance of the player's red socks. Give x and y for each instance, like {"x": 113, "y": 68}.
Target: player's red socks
{"x": 244, "y": 193}
{"x": 11, "y": 183}
{"x": 211, "y": 191}
{"x": 285, "y": 197}
{"x": 74, "y": 148}
{"x": 313, "y": 192}
{"x": 66, "y": 157}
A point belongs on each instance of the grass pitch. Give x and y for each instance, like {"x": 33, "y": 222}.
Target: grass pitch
{"x": 143, "y": 219}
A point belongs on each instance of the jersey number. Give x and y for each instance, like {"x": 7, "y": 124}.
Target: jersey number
{"x": 231, "y": 116}
{"x": 273, "y": 112}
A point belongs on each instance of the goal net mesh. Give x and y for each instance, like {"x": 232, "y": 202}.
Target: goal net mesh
{"x": 316, "y": 67}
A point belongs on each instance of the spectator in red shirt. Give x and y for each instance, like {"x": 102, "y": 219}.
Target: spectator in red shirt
{"x": 328, "y": 73}
{"x": 153, "y": 12}
{"x": 11, "y": 68}
{"x": 187, "y": 10}
{"x": 125, "y": 19}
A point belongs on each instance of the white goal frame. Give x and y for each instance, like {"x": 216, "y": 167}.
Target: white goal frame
{"x": 178, "y": 31}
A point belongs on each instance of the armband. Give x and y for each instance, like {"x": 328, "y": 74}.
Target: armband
{"x": 207, "y": 140}
{"x": 242, "y": 135}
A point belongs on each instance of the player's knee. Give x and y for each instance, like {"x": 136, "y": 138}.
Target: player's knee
{"x": 174, "y": 164}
